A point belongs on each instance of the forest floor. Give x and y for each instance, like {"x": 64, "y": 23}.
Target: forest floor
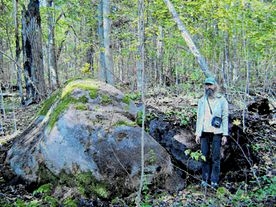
{"x": 257, "y": 190}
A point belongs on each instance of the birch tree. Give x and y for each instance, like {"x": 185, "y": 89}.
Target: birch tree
{"x": 17, "y": 48}
{"x": 160, "y": 43}
{"x": 1, "y": 60}
{"x": 187, "y": 37}
{"x": 141, "y": 84}
{"x": 52, "y": 59}
{"x": 104, "y": 30}
{"x": 107, "y": 43}
{"x": 101, "y": 41}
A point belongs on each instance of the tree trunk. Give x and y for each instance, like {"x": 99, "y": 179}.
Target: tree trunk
{"x": 141, "y": 84}
{"x": 160, "y": 55}
{"x": 1, "y": 60}
{"x": 107, "y": 43}
{"x": 101, "y": 41}
{"x": 32, "y": 53}
{"x": 141, "y": 47}
{"x": 52, "y": 60}
{"x": 226, "y": 62}
{"x": 187, "y": 37}
{"x": 17, "y": 49}
{"x": 90, "y": 52}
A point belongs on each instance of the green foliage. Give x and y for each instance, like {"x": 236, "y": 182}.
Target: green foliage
{"x": 21, "y": 203}
{"x": 86, "y": 68}
{"x": 267, "y": 189}
{"x": 87, "y": 184}
{"x": 197, "y": 155}
{"x": 125, "y": 123}
{"x": 81, "y": 106}
{"x": 152, "y": 157}
{"x": 258, "y": 196}
{"x": 44, "y": 189}
{"x": 148, "y": 118}
{"x": 52, "y": 201}
{"x": 93, "y": 94}
{"x": 105, "y": 99}
{"x": 83, "y": 99}
{"x": 184, "y": 116}
{"x": 69, "y": 202}
{"x": 145, "y": 192}
{"x": 131, "y": 96}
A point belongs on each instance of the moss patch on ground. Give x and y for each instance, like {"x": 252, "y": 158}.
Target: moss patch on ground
{"x": 86, "y": 183}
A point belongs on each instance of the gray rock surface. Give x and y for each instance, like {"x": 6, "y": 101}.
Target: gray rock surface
{"x": 101, "y": 138}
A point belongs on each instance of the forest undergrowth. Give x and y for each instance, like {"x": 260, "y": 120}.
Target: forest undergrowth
{"x": 252, "y": 183}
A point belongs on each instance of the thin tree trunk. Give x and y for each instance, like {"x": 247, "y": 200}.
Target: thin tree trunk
{"x": 107, "y": 43}
{"x": 160, "y": 55}
{"x": 75, "y": 58}
{"x": 90, "y": 52}
{"x": 141, "y": 48}
{"x": 247, "y": 65}
{"x": 52, "y": 59}
{"x": 225, "y": 68}
{"x": 235, "y": 58}
{"x": 2, "y": 105}
{"x": 3, "y": 112}
{"x": 1, "y": 55}
{"x": 187, "y": 37}
{"x": 1, "y": 60}
{"x": 101, "y": 41}
{"x": 141, "y": 86}
{"x": 17, "y": 49}
{"x": 61, "y": 46}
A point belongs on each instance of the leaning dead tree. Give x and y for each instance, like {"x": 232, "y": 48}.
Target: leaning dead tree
{"x": 187, "y": 37}
{"x": 32, "y": 53}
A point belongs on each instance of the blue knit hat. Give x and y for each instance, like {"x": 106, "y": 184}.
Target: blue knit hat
{"x": 210, "y": 80}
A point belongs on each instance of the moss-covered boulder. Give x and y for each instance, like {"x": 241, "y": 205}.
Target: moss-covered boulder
{"x": 86, "y": 137}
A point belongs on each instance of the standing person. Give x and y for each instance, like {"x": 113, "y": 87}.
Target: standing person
{"x": 211, "y": 130}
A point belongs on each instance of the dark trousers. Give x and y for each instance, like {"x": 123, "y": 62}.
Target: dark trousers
{"x": 210, "y": 148}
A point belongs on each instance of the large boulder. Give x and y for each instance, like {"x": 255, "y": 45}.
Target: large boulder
{"x": 86, "y": 136}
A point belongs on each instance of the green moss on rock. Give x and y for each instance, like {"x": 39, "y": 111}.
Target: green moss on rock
{"x": 66, "y": 99}
{"x": 105, "y": 99}
{"x": 48, "y": 103}
{"x": 83, "y": 99}
{"x": 93, "y": 93}
{"x": 126, "y": 99}
{"x": 125, "y": 123}
{"x": 88, "y": 85}
{"x": 60, "y": 108}
{"x": 81, "y": 106}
